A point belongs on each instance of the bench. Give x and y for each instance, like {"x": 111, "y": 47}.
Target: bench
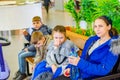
{"x": 108, "y": 77}
{"x": 30, "y": 60}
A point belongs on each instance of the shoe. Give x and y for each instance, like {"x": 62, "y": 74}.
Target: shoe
{"x": 28, "y": 78}
{"x": 16, "y": 75}
{"x": 21, "y": 77}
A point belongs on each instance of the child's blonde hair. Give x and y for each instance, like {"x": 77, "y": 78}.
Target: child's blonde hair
{"x": 36, "y": 36}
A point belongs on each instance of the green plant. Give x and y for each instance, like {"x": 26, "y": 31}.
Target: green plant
{"x": 83, "y": 14}
{"x": 87, "y": 13}
{"x": 110, "y": 8}
{"x": 70, "y": 7}
{"x": 92, "y": 9}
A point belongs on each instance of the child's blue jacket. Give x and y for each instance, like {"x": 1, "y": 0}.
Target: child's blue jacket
{"x": 100, "y": 62}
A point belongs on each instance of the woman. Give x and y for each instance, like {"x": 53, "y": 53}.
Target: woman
{"x": 56, "y": 58}
{"x": 97, "y": 59}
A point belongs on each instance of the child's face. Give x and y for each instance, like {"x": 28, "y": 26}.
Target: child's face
{"x": 59, "y": 38}
{"x": 40, "y": 42}
{"x": 37, "y": 24}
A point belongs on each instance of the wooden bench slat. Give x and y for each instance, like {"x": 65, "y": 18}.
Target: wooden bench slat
{"x": 30, "y": 60}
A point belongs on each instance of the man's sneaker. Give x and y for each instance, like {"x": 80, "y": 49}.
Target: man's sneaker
{"x": 21, "y": 77}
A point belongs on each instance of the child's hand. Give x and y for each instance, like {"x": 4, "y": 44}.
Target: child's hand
{"x": 54, "y": 68}
{"x": 25, "y": 32}
{"x": 56, "y": 44}
{"x": 67, "y": 72}
{"x": 26, "y": 49}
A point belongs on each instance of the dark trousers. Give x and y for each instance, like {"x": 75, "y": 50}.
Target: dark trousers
{"x": 47, "y": 8}
{"x": 62, "y": 77}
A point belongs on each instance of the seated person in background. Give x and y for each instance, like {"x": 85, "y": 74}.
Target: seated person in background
{"x": 56, "y": 59}
{"x": 97, "y": 59}
{"x": 30, "y": 50}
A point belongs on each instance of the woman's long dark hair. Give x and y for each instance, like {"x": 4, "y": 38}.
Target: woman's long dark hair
{"x": 108, "y": 21}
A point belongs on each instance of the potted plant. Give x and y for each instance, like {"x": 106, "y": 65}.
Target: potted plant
{"x": 70, "y": 7}
{"x": 78, "y": 39}
{"x": 90, "y": 10}
{"x": 83, "y": 14}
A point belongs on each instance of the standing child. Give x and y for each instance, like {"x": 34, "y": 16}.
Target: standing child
{"x": 30, "y": 50}
{"x": 56, "y": 59}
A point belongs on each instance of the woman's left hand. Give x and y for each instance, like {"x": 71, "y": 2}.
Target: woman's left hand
{"x": 73, "y": 60}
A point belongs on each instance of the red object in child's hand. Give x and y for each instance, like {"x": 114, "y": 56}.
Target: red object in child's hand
{"x": 67, "y": 74}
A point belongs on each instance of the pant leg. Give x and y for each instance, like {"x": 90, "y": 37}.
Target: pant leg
{"x": 47, "y": 8}
{"x": 22, "y": 62}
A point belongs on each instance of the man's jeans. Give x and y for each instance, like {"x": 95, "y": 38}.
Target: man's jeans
{"x": 22, "y": 62}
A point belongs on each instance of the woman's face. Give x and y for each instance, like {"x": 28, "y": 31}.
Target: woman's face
{"x": 101, "y": 28}
{"x": 59, "y": 38}
{"x": 37, "y": 24}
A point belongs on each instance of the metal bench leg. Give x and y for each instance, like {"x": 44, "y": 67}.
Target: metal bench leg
{"x": 28, "y": 72}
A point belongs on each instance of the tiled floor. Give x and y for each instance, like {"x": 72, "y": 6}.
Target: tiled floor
{"x": 11, "y": 52}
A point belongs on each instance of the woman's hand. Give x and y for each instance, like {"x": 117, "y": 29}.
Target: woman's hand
{"x": 54, "y": 68}
{"x": 67, "y": 72}
{"x": 73, "y": 60}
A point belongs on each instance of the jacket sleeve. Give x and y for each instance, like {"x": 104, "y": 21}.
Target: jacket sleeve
{"x": 48, "y": 55}
{"x": 31, "y": 48}
{"x": 102, "y": 68}
{"x": 28, "y": 37}
{"x": 44, "y": 30}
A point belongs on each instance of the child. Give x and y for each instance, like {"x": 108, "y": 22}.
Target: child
{"x": 37, "y": 26}
{"x": 56, "y": 59}
{"x": 41, "y": 40}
